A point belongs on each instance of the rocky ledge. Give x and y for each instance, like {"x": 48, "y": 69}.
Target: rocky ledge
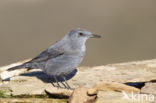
{"x": 132, "y": 82}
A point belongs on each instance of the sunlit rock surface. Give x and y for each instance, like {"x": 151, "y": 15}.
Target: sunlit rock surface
{"x": 35, "y": 82}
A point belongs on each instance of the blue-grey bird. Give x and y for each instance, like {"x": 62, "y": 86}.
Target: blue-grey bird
{"x": 63, "y": 57}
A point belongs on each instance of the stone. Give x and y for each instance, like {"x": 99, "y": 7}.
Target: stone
{"x": 36, "y": 82}
{"x": 32, "y": 100}
{"x": 33, "y": 82}
{"x": 59, "y": 91}
{"x": 118, "y": 97}
{"x": 27, "y": 85}
{"x": 6, "y": 75}
{"x": 149, "y": 88}
{"x": 112, "y": 86}
{"x": 122, "y": 73}
{"x": 80, "y": 96}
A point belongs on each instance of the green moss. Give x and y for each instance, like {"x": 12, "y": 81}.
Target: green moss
{"x": 30, "y": 96}
{"x": 2, "y": 94}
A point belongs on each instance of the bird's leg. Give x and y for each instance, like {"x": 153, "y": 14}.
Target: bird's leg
{"x": 57, "y": 82}
{"x": 64, "y": 85}
{"x": 53, "y": 84}
{"x": 65, "y": 82}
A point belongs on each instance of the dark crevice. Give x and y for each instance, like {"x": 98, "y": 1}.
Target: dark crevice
{"x": 138, "y": 85}
{"x": 56, "y": 96}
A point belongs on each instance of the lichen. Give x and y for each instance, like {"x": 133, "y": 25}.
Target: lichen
{"x": 3, "y": 94}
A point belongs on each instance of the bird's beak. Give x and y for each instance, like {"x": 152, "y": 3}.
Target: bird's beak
{"x": 95, "y": 36}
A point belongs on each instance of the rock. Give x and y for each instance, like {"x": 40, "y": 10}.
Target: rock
{"x": 32, "y": 100}
{"x": 149, "y": 88}
{"x": 59, "y": 91}
{"x": 112, "y": 86}
{"x": 21, "y": 85}
{"x": 27, "y": 86}
{"x": 6, "y": 75}
{"x": 35, "y": 81}
{"x": 122, "y": 73}
{"x": 118, "y": 97}
{"x": 80, "y": 96}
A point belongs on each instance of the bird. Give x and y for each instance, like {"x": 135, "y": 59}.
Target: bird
{"x": 62, "y": 57}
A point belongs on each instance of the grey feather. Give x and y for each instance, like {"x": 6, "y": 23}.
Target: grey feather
{"x": 45, "y": 55}
{"x": 16, "y": 67}
{"x": 62, "y": 57}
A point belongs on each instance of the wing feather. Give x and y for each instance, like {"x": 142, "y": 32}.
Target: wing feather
{"x": 46, "y": 55}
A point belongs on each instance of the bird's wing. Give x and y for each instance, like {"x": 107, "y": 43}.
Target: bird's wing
{"x": 42, "y": 57}
{"x": 45, "y": 55}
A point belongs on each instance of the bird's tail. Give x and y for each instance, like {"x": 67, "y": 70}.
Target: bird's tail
{"x": 16, "y": 67}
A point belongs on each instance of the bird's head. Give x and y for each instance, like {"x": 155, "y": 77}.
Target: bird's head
{"x": 81, "y": 35}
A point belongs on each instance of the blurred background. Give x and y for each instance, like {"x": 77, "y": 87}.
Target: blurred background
{"x": 127, "y": 27}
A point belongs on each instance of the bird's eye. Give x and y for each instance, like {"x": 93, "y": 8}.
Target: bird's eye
{"x": 80, "y": 34}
